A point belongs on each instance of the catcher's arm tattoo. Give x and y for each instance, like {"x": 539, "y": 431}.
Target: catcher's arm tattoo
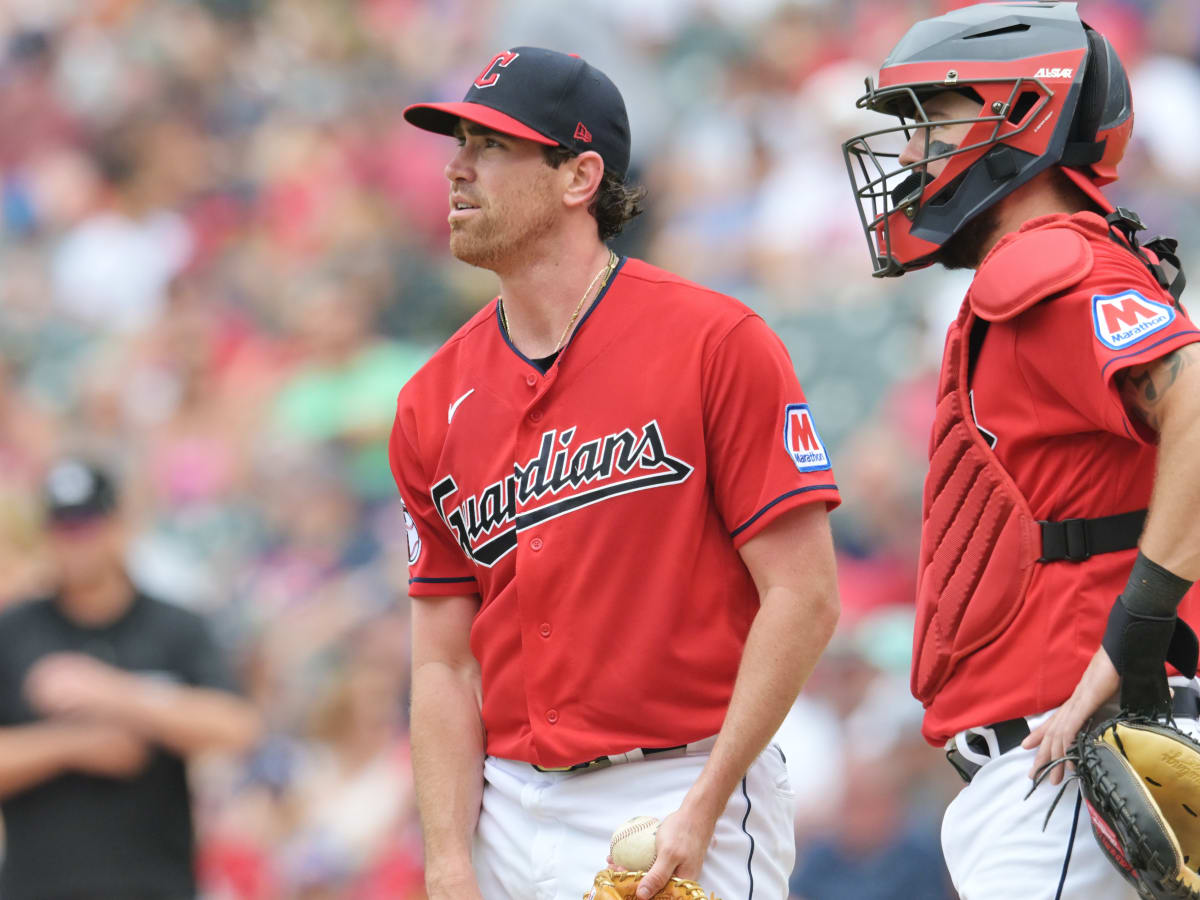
{"x": 1144, "y": 388}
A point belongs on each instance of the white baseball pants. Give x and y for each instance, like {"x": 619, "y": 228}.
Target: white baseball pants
{"x": 543, "y": 836}
{"x": 995, "y": 847}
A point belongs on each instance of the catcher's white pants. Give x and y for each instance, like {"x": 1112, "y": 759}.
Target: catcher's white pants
{"x": 544, "y": 836}
{"x": 995, "y": 847}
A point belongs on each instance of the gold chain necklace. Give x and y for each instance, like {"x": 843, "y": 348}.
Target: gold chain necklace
{"x": 606, "y": 272}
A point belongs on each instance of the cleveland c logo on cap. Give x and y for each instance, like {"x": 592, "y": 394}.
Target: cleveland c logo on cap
{"x": 488, "y": 76}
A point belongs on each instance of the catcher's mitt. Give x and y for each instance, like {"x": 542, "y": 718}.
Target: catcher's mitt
{"x": 1141, "y": 780}
{"x": 610, "y": 885}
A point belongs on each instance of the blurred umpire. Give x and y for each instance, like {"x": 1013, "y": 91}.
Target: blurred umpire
{"x": 104, "y": 693}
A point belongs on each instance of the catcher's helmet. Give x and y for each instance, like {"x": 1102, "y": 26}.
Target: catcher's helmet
{"x": 1053, "y": 93}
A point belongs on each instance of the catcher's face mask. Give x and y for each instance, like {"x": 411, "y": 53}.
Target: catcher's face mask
{"x": 1051, "y": 92}
{"x": 948, "y": 159}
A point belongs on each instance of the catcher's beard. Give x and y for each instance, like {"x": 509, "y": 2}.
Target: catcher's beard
{"x": 968, "y": 246}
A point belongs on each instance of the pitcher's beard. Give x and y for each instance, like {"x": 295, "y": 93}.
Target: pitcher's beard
{"x": 486, "y": 246}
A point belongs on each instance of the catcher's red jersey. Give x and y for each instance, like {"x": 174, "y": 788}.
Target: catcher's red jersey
{"x": 1045, "y": 397}
{"x": 597, "y": 510}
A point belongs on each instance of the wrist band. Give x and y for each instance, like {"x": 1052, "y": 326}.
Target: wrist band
{"x": 1131, "y": 634}
{"x": 1152, "y": 590}
{"x": 1143, "y": 632}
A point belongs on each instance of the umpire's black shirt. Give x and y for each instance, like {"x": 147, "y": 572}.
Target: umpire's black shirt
{"x": 82, "y": 837}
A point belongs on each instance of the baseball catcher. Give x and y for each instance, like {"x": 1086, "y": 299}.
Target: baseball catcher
{"x": 1064, "y": 457}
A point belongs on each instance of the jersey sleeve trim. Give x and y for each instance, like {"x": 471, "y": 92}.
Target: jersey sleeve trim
{"x": 1135, "y": 430}
{"x": 435, "y": 591}
{"x": 782, "y": 497}
{"x": 1193, "y": 333}
{"x": 440, "y": 580}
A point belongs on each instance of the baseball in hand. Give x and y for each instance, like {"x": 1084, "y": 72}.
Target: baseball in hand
{"x": 633, "y": 846}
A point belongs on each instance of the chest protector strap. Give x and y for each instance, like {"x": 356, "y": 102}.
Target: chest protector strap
{"x": 1080, "y": 539}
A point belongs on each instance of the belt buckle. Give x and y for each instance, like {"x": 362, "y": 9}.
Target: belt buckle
{"x": 603, "y": 762}
{"x": 1075, "y": 534}
{"x": 599, "y": 762}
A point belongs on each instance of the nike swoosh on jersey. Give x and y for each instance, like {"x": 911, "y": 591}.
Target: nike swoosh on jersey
{"x": 454, "y": 405}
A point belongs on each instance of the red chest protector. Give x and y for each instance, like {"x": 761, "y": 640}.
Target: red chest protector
{"x": 979, "y": 539}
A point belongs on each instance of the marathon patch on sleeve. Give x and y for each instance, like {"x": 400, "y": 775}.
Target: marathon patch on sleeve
{"x": 801, "y": 440}
{"x": 1123, "y": 319}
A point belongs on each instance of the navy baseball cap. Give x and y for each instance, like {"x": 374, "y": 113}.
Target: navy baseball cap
{"x": 540, "y": 95}
{"x": 74, "y": 491}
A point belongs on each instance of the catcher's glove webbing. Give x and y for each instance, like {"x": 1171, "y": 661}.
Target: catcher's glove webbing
{"x": 610, "y": 885}
{"x": 1141, "y": 780}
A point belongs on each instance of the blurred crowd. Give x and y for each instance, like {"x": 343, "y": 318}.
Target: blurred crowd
{"x": 222, "y": 252}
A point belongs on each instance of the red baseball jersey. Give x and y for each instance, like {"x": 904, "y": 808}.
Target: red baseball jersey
{"x": 597, "y": 510}
{"x": 1045, "y": 397}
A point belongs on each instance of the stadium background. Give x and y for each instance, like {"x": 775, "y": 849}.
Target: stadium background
{"x": 222, "y": 252}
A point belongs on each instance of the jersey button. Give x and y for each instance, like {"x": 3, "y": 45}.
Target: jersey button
{"x": 552, "y": 716}
{"x": 531, "y": 379}
{"x": 535, "y": 544}
{"x": 545, "y": 630}
{"x": 535, "y": 416}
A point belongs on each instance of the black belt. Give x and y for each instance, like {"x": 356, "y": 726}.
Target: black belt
{"x": 1079, "y": 539}
{"x": 601, "y": 762}
{"x": 1185, "y": 704}
{"x": 1009, "y": 735}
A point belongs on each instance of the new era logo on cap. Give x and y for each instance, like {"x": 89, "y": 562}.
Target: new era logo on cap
{"x": 542, "y": 96}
